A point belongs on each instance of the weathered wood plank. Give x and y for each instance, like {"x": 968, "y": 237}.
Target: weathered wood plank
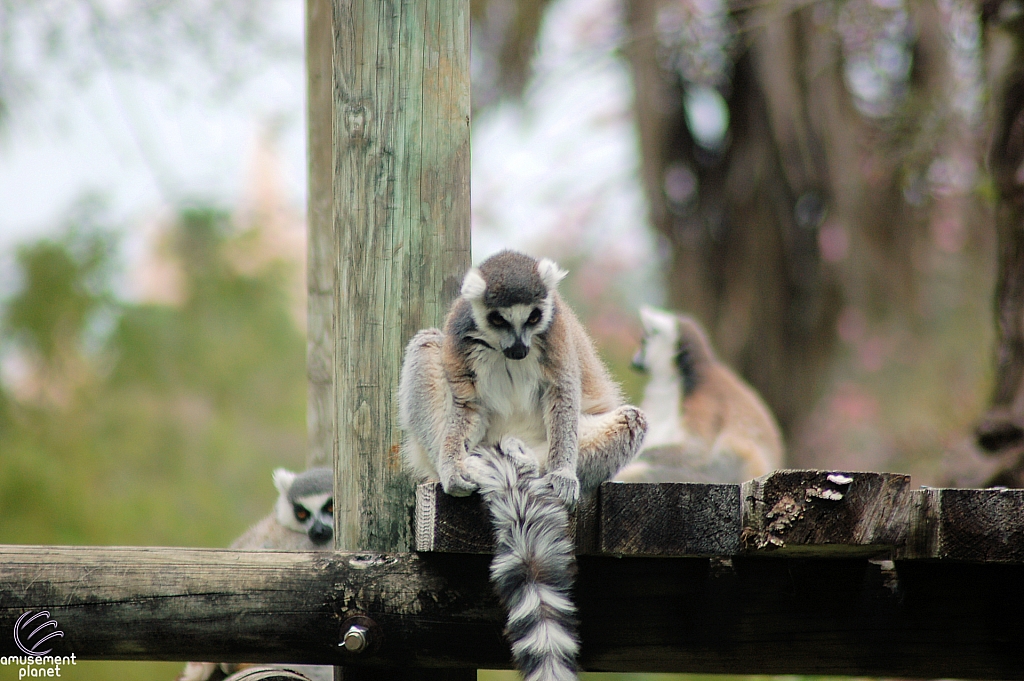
{"x": 669, "y": 519}
{"x": 401, "y": 220}
{"x": 982, "y": 525}
{"x": 826, "y": 512}
{"x": 748, "y": 614}
{"x": 810, "y": 513}
{"x": 447, "y": 524}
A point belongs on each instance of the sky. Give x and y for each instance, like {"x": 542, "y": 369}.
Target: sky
{"x": 556, "y": 171}
{"x": 147, "y": 141}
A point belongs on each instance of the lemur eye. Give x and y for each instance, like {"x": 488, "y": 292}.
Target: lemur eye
{"x": 496, "y": 320}
{"x": 534, "y": 316}
{"x": 329, "y": 507}
{"x": 301, "y": 514}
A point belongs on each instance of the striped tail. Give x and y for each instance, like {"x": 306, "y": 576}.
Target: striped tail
{"x": 533, "y": 568}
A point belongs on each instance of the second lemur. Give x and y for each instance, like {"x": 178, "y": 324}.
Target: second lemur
{"x": 302, "y": 520}
{"x": 706, "y": 423}
{"x": 514, "y": 362}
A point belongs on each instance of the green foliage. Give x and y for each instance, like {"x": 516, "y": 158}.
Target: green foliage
{"x": 64, "y": 284}
{"x": 164, "y": 429}
{"x": 163, "y": 432}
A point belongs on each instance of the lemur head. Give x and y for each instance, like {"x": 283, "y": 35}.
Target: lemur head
{"x": 659, "y": 344}
{"x": 672, "y": 343}
{"x": 305, "y": 502}
{"x": 512, "y": 296}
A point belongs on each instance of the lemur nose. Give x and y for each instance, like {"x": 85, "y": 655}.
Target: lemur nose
{"x": 638, "y": 361}
{"x": 517, "y": 351}
{"x": 320, "y": 533}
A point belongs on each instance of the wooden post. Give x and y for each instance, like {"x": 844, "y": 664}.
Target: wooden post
{"x": 321, "y": 249}
{"x": 388, "y": 237}
{"x": 401, "y": 114}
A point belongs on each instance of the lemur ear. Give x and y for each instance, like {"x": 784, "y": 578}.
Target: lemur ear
{"x": 655, "y": 320}
{"x": 550, "y": 273}
{"x": 283, "y": 480}
{"x": 646, "y": 319}
{"x": 473, "y": 286}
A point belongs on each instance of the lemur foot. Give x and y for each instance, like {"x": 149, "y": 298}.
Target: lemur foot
{"x": 520, "y": 455}
{"x": 456, "y": 481}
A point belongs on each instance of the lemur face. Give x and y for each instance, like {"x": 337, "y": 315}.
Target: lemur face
{"x": 315, "y": 516}
{"x": 512, "y": 328}
{"x": 512, "y": 296}
{"x": 659, "y": 345}
{"x": 306, "y": 502}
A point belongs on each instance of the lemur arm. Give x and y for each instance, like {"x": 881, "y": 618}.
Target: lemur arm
{"x": 561, "y": 416}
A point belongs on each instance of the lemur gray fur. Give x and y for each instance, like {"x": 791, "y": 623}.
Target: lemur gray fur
{"x": 514, "y": 362}
{"x": 705, "y": 423}
{"x": 302, "y": 520}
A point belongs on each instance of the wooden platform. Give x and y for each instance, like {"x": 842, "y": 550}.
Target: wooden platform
{"x": 800, "y": 513}
{"x": 801, "y": 572}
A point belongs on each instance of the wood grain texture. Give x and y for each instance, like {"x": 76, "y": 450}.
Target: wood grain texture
{"x": 669, "y": 519}
{"x": 322, "y": 242}
{"x": 747, "y": 614}
{"x": 826, "y": 512}
{"x": 979, "y": 525}
{"x": 401, "y": 218}
{"x": 447, "y": 524}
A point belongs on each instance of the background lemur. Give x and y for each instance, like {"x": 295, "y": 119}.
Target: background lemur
{"x": 515, "y": 374}
{"x": 706, "y": 424}
{"x": 302, "y": 520}
{"x": 303, "y": 517}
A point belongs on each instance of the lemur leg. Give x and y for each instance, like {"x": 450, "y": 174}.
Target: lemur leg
{"x": 439, "y": 431}
{"x": 755, "y": 460}
{"x": 607, "y": 443}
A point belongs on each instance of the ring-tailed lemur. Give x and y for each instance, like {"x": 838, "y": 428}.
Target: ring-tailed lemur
{"x": 302, "y": 520}
{"x": 513, "y": 360}
{"x": 705, "y": 423}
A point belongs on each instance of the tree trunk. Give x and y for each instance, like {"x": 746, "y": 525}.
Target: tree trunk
{"x": 803, "y": 210}
{"x": 1001, "y": 430}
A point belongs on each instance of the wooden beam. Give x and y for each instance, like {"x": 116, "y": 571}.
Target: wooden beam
{"x": 739, "y": 615}
{"x": 822, "y": 514}
{"x": 401, "y": 214}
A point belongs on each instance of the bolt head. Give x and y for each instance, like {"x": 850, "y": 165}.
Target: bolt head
{"x": 356, "y": 639}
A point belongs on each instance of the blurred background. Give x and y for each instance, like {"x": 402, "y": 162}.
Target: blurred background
{"x": 808, "y": 178}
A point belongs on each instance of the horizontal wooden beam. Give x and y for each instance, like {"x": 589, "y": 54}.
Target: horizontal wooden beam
{"x": 739, "y": 615}
{"x": 805, "y": 513}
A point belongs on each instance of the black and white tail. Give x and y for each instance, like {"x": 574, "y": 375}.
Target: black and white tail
{"x": 533, "y": 568}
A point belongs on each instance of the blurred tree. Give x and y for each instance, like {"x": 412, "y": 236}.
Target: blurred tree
{"x": 779, "y": 188}
{"x": 1001, "y": 431}
{"x": 65, "y": 284}
{"x": 504, "y": 42}
{"x": 168, "y": 428}
{"x": 176, "y": 412}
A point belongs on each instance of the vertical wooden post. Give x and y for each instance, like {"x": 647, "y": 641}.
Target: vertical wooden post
{"x": 401, "y": 114}
{"x": 321, "y": 250}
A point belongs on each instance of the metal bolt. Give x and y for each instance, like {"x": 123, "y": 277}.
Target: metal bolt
{"x": 356, "y": 639}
